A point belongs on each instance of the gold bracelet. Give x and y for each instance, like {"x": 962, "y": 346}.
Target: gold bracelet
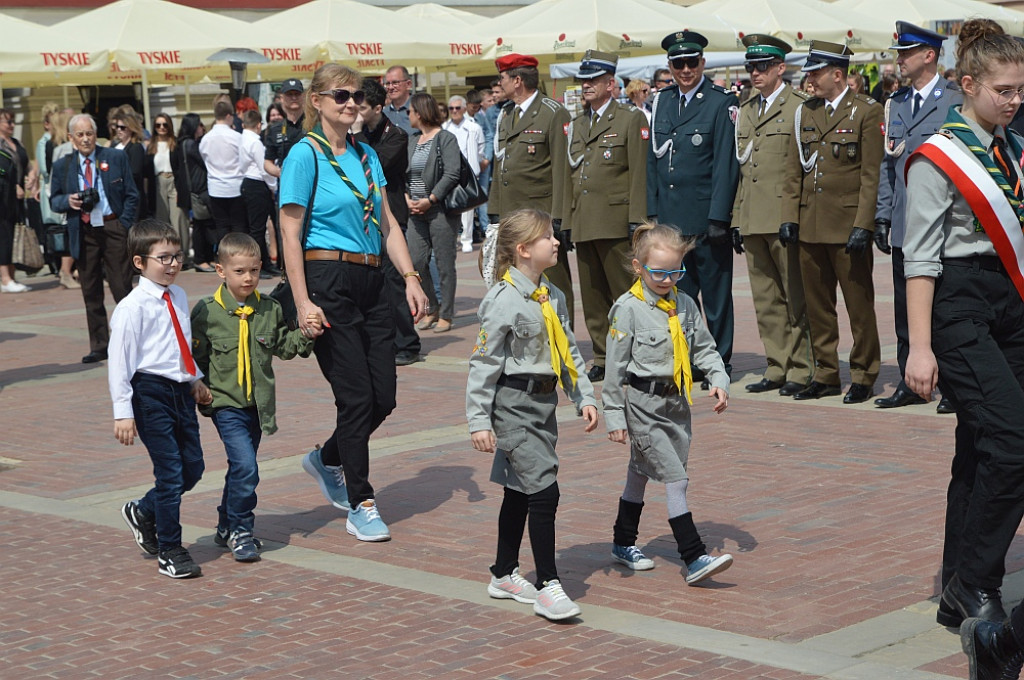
{"x": 413, "y": 273}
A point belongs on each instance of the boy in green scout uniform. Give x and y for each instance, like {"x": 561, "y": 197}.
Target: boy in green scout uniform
{"x": 828, "y": 205}
{"x": 763, "y": 133}
{"x": 235, "y": 334}
{"x": 531, "y": 168}
{"x": 691, "y": 179}
{"x": 608, "y": 145}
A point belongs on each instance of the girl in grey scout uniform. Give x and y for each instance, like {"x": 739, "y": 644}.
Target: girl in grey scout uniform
{"x": 655, "y": 332}
{"x": 525, "y": 349}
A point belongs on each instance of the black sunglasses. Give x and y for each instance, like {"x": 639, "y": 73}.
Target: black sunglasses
{"x": 341, "y": 96}
{"x": 679, "y": 63}
{"x": 121, "y": 127}
{"x": 761, "y": 66}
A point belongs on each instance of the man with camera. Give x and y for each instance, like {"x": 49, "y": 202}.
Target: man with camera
{"x": 94, "y": 186}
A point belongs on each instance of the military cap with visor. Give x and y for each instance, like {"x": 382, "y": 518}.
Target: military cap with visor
{"x": 761, "y": 47}
{"x": 684, "y": 44}
{"x": 909, "y": 36}
{"x": 596, "y": 64}
{"x": 822, "y": 54}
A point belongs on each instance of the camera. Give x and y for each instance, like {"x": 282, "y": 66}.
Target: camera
{"x": 90, "y": 197}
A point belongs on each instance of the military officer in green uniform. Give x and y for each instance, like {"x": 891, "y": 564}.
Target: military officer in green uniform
{"x": 763, "y": 134}
{"x": 608, "y": 145}
{"x": 691, "y": 179}
{"x": 531, "y": 166}
{"x": 828, "y": 206}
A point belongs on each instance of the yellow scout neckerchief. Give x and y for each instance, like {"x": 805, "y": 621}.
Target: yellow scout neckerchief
{"x": 557, "y": 340}
{"x": 680, "y": 352}
{"x": 244, "y": 357}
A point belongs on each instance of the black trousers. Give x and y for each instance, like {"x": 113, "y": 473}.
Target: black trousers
{"x": 540, "y": 509}
{"x": 205, "y": 239}
{"x": 356, "y": 355}
{"x": 406, "y": 337}
{"x": 899, "y": 304}
{"x": 259, "y": 204}
{"x": 708, "y": 281}
{"x": 229, "y": 216}
{"x": 978, "y": 340}
{"x": 103, "y": 251}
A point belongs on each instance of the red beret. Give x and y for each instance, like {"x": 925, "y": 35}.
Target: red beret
{"x": 514, "y": 61}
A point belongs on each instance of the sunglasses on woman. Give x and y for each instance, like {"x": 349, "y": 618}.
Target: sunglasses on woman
{"x": 341, "y": 96}
{"x": 120, "y": 127}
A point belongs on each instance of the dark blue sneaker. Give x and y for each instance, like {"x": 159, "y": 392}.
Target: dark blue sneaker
{"x": 706, "y": 566}
{"x": 331, "y": 479}
{"x": 221, "y": 538}
{"x": 243, "y": 546}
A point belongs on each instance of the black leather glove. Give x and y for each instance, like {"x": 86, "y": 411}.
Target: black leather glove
{"x": 860, "y": 240}
{"x": 564, "y": 236}
{"x": 492, "y": 218}
{"x": 789, "y": 233}
{"x": 632, "y": 229}
{"x": 718, "y": 233}
{"x": 882, "y": 235}
{"x": 737, "y": 240}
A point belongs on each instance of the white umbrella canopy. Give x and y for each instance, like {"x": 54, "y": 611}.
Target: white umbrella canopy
{"x": 920, "y": 12}
{"x": 372, "y": 39}
{"x": 800, "y": 21}
{"x": 35, "y": 55}
{"x": 434, "y": 12}
{"x": 562, "y": 30}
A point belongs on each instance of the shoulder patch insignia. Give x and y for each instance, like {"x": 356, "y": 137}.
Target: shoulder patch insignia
{"x": 645, "y": 133}
{"x": 551, "y": 104}
{"x": 734, "y": 113}
{"x": 565, "y": 129}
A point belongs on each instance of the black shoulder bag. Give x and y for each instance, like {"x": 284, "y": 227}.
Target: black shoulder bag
{"x": 465, "y": 195}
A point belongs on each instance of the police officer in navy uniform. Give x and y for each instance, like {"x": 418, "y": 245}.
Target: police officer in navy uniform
{"x": 912, "y": 115}
{"x": 608, "y": 146}
{"x": 692, "y": 175}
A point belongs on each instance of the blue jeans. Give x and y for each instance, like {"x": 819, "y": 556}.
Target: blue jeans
{"x": 239, "y": 429}
{"x": 165, "y": 417}
{"x": 485, "y": 183}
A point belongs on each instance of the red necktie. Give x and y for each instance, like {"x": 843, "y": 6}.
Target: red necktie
{"x": 186, "y": 353}
{"x": 86, "y": 217}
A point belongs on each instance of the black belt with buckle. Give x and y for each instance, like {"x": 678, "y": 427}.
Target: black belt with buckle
{"x": 530, "y": 385}
{"x": 653, "y": 387}
{"x": 990, "y": 263}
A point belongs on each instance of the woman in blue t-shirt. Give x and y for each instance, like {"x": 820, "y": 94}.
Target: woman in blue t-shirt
{"x": 333, "y": 260}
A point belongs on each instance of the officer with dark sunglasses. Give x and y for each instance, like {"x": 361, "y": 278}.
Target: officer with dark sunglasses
{"x": 691, "y": 178}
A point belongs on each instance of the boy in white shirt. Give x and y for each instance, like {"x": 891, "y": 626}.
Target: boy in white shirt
{"x": 154, "y": 384}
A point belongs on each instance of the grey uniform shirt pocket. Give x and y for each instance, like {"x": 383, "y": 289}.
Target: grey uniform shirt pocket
{"x": 651, "y": 347}
{"x": 526, "y": 339}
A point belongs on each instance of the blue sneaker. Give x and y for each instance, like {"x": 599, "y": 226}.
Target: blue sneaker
{"x": 222, "y": 535}
{"x": 706, "y": 566}
{"x": 330, "y": 478}
{"x": 364, "y": 523}
{"x": 243, "y": 546}
{"x": 631, "y": 556}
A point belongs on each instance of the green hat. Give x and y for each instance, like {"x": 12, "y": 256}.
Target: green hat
{"x": 761, "y": 47}
{"x": 684, "y": 44}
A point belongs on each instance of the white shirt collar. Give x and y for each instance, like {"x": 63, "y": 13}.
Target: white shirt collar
{"x": 689, "y": 95}
{"x": 927, "y": 89}
{"x": 773, "y": 96}
{"x": 835, "y": 102}
{"x": 528, "y": 102}
{"x": 604, "y": 107}
{"x": 152, "y": 287}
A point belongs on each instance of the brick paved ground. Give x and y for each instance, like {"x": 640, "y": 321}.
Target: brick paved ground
{"x": 833, "y": 514}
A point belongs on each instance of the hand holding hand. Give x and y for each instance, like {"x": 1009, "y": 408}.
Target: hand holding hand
{"x": 201, "y": 393}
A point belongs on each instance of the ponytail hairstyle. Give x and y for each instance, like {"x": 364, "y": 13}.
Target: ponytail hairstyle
{"x": 327, "y": 77}
{"x": 522, "y": 226}
{"x": 982, "y": 46}
{"x": 652, "y": 234}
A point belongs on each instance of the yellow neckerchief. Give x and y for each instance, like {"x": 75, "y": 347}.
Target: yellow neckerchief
{"x": 557, "y": 340}
{"x": 680, "y": 352}
{"x": 243, "y": 313}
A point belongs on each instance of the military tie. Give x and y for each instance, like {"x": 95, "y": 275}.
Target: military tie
{"x": 829, "y": 109}
{"x": 764, "y": 105}
{"x": 918, "y": 99}
{"x": 515, "y": 115}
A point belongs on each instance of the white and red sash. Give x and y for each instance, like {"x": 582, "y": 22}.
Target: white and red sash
{"x": 986, "y": 199}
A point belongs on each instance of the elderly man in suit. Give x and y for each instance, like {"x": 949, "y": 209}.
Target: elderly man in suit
{"x": 531, "y": 165}
{"x": 94, "y": 187}
{"x": 912, "y": 115}
{"x": 691, "y": 179}
{"x": 608, "y": 146}
{"x": 828, "y": 206}
{"x": 763, "y": 134}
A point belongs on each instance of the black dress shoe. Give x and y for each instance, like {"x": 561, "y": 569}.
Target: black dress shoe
{"x": 857, "y": 394}
{"x": 791, "y": 388}
{"x": 945, "y": 406}
{"x": 406, "y": 358}
{"x": 972, "y": 602}
{"x": 992, "y": 649}
{"x": 900, "y": 397}
{"x": 764, "y": 385}
{"x": 94, "y": 357}
{"x": 817, "y": 390}
{"x": 947, "y": 616}
{"x": 596, "y": 373}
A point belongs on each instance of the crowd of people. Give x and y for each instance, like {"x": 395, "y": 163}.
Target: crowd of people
{"x": 655, "y": 186}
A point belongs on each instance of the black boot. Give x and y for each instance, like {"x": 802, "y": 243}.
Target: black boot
{"x": 992, "y": 650}
{"x": 627, "y": 523}
{"x": 687, "y": 539}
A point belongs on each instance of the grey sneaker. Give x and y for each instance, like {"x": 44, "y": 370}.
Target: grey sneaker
{"x": 631, "y": 556}
{"x": 330, "y": 478}
{"x": 512, "y": 587}
{"x": 553, "y": 604}
{"x": 706, "y": 566}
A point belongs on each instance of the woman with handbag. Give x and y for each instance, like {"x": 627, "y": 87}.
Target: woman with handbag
{"x": 189, "y": 166}
{"x": 165, "y": 182}
{"x": 13, "y": 169}
{"x": 434, "y": 164}
{"x": 335, "y": 224}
